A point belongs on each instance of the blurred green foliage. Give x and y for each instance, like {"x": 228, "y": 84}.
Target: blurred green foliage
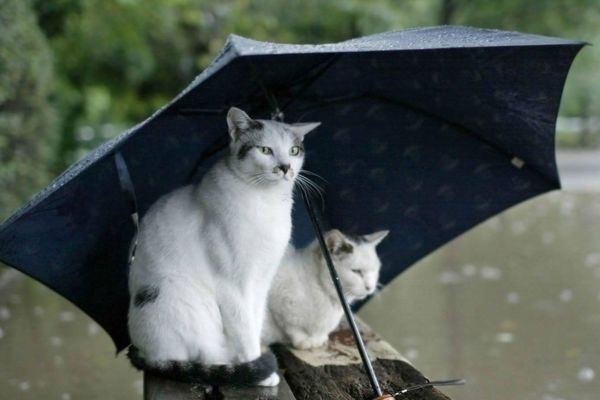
{"x": 26, "y": 115}
{"x": 90, "y": 68}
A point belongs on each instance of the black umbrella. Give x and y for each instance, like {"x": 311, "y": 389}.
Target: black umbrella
{"x": 426, "y": 132}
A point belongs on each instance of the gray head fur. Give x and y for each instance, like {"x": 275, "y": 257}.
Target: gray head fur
{"x": 263, "y": 151}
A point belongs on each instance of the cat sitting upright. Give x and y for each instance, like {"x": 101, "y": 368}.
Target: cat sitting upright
{"x": 303, "y": 306}
{"x": 206, "y": 257}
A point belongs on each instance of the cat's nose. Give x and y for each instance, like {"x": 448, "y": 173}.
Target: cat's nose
{"x": 284, "y": 168}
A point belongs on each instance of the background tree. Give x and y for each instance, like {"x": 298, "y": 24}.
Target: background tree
{"x": 117, "y": 61}
{"x": 26, "y": 118}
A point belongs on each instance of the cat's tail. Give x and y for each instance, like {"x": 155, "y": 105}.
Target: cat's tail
{"x": 243, "y": 374}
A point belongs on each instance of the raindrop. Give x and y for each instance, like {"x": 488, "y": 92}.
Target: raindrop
{"x": 490, "y": 273}
{"x": 547, "y": 238}
{"x": 449, "y": 278}
{"x": 551, "y": 397}
{"x": 66, "y": 316}
{"x": 566, "y": 295}
{"x": 592, "y": 259}
{"x": 92, "y": 329}
{"x": 58, "y": 360}
{"x": 24, "y": 386}
{"x": 4, "y": 313}
{"x": 566, "y": 207}
{"x": 518, "y": 227}
{"x": 494, "y": 223}
{"x": 65, "y": 396}
{"x": 586, "y": 374}
{"x": 469, "y": 270}
{"x": 513, "y": 298}
{"x": 412, "y": 354}
{"x": 1, "y": 333}
{"x": 56, "y": 341}
{"x": 38, "y": 311}
{"x": 505, "y": 337}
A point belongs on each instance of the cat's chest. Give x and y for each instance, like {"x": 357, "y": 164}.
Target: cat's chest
{"x": 261, "y": 218}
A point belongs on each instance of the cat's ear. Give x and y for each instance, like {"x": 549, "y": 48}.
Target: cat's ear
{"x": 376, "y": 238}
{"x": 302, "y": 128}
{"x": 337, "y": 244}
{"x": 239, "y": 122}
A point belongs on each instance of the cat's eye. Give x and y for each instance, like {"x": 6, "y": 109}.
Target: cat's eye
{"x": 359, "y": 272}
{"x": 265, "y": 150}
{"x": 295, "y": 150}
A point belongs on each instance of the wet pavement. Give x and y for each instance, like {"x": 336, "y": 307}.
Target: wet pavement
{"x": 513, "y": 305}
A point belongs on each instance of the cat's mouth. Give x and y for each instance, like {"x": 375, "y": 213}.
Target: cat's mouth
{"x": 284, "y": 172}
{"x": 288, "y": 176}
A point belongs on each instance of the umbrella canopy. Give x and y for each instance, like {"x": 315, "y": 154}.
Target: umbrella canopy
{"x": 426, "y": 132}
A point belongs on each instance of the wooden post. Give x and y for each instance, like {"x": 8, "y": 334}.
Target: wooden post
{"x": 335, "y": 372}
{"x": 162, "y": 389}
{"x": 332, "y": 372}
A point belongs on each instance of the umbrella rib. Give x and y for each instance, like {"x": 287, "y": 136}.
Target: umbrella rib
{"x": 460, "y": 128}
{"x": 322, "y": 68}
{"x": 305, "y": 78}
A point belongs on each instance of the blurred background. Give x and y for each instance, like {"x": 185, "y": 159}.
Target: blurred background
{"x": 512, "y": 305}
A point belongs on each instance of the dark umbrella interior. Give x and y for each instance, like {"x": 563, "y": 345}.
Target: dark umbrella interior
{"x": 426, "y": 132}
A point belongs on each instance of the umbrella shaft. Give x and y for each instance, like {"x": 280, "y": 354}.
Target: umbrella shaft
{"x": 338, "y": 287}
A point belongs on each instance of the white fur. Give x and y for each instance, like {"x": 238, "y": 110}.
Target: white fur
{"x": 212, "y": 250}
{"x": 303, "y": 307}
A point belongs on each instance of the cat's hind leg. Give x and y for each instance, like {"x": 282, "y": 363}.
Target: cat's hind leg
{"x": 155, "y": 326}
{"x": 182, "y": 323}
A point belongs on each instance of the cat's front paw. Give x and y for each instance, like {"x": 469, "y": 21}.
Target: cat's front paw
{"x": 272, "y": 380}
{"x": 310, "y": 342}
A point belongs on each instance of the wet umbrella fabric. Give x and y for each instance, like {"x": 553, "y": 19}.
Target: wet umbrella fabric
{"x": 426, "y": 132}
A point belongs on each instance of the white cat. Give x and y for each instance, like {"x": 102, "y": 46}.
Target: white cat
{"x": 303, "y": 306}
{"x": 206, "y": 257}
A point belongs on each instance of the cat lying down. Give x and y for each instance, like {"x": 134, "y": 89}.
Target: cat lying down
{"x": 303, "y": 307}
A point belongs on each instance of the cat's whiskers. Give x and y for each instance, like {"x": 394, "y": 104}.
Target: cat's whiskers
{"x": 306, "y": 188}
{"x": 257, "y": 179}
{"x": 305, "y": 171}
{"x": 309, "y": 186}
{"x": 299, "y": 186}
{"x": 312, "y": 184}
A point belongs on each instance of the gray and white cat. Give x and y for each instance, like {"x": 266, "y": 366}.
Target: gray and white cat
{"x": 206, "y": 257}
{"x": 303, "y": 306}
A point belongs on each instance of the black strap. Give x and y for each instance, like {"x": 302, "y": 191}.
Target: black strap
{"x": 129, "y": 190}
